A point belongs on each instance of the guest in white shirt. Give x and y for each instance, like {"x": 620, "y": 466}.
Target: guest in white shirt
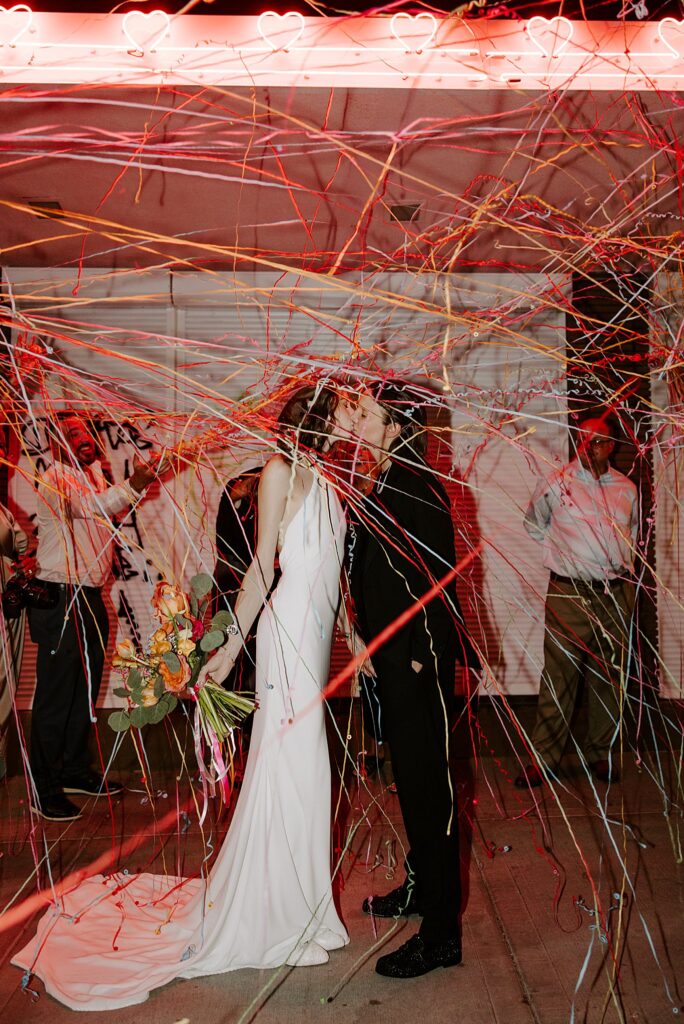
{"x": 586, "y": 518}
{"x": 75, "y": 554}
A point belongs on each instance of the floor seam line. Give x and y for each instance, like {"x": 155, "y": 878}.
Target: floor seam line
{"x": 519, "y": 973}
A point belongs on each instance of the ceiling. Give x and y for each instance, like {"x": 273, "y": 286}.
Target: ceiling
{"x": 601, "y": 10}
{"x": 253, "y": 179}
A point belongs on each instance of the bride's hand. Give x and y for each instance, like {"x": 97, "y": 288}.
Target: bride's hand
{"x": 217, "y": 669}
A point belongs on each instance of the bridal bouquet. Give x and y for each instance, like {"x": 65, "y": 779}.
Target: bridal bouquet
{"x": 167, "y": 669}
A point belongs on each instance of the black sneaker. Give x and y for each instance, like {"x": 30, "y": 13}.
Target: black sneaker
{"x": 530, "y": 778}
{"x": 400, "y": 902}
{"x": 415, "y": 957}
{"x": 55, "y": 808}
{"x": 92, "y": 784}
{"x": 604, "y": 771}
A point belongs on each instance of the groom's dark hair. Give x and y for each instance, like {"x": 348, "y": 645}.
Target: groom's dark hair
{"x": 402, "y": 404}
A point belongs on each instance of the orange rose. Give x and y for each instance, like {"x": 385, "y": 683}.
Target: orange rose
{"x": 159, "y": 647}
{"x": 174, "y": 682}
{"x": 169, "y": 600}
{"x": 126, "y": 652}
{"x": 147, "y": 696}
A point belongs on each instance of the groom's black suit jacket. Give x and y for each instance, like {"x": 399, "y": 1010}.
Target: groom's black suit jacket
{"x": 405, "y": 543}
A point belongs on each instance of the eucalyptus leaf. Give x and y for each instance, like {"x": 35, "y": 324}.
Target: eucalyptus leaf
{"x": 222, "y": 619}
{"x": 169, "y": 700}
{"x": 161, "y": 710}
{"x": 201, "y": 584}
{"x": 211, "y": 640}
{"x": 157, "y": 713}
{"x": 159, "y": 686}
{"x": 120, "y": 691}
{"x": 135, "y": 680}
{"x": 171, "y": 661}
{"x": 119, "y": 721}
{"x": 141, "y": 716}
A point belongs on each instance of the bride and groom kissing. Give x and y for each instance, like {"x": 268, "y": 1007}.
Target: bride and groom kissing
{"x": 267, "y": 900}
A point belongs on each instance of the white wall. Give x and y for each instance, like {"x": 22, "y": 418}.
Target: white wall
{"x": 667, "y": 384}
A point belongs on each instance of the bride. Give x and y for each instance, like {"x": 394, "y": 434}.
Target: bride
{"x": 267, "y": 900}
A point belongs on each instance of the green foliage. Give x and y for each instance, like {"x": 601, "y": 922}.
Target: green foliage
{"x": 200, "y": 585}
{"x": 167, "y": 703}
{"x": 219, "y": 711}
{"x": 119, "y": 721}
{"x": 170, "y": 701}
{"x": 141, "y": 716}
{"x": 171, "y": 661}
{"x": 222, "y": 619}
{"x": 212, "y": 640}
{"x": 135, "y": 680}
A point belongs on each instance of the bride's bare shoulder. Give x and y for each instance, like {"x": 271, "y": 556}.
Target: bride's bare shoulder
{"x": 280, "y": 474}
{"x": 276, "y": 473}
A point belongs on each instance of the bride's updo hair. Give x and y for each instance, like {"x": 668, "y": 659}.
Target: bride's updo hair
{"x": 304, "y": 421}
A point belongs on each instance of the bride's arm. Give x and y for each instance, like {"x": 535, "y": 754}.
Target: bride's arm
{"x": 273, "y": 489}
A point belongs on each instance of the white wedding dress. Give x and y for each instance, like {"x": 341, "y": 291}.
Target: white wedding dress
{"x": 112, "y": 939}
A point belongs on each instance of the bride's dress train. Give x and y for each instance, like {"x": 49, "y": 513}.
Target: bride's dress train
{"x": 268, "y": 898}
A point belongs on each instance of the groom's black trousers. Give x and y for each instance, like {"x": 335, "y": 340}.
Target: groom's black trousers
{"x": 72, "y": 640}
{"x": 415, "y": 716}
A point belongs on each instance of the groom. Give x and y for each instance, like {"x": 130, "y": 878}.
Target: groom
{"x": 404, "y": 543}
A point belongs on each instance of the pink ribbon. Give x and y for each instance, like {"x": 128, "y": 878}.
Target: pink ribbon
{"x": 218, "y": 773}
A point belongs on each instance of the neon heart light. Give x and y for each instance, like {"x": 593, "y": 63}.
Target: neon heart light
{"x": 675, "y": 29}
{"x": 413, "y": 21}
{"x": 137, "y": 39}
{"x": 550, "y": 35}
{"x": 6, "y": 17}
{"x": 270, "y": 22}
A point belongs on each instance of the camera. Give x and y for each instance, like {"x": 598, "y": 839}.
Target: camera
{"x": 25, "y": 591}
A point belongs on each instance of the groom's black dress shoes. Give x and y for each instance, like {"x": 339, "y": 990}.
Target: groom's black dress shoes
{"x": 55, "y": 807}
{"x": 400, "y": 902}
{"x": 416, "y": 957}
{"x": 91, "y": 784}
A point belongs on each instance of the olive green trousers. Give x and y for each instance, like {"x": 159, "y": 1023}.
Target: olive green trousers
{"x": 586, "y": 630}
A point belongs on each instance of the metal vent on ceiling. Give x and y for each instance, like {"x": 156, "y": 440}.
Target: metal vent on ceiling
{"x": 46, "y": 208}
{"x": 404, "y": 211}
